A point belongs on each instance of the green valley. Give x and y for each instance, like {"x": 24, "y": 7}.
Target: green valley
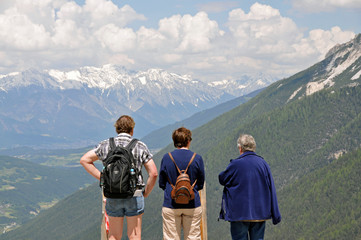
{"x": 28, "y": 188}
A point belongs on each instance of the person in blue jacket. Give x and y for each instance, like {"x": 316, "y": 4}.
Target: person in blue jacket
{"x": 249, "y": 194}
{"x": 178, "y": 216}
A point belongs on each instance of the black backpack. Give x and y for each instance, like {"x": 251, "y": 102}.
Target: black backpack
{"x": 120, "y": 174}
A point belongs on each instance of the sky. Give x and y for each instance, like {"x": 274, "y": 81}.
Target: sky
{"x": 209, "y": 40}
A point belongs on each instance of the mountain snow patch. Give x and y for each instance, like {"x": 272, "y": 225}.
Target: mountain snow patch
{"x": 336, "y": 70}
{"x": 218, "y": 83}
{"x": 293, "y": 94}
{"x": 143, "y": 80}
{"x": 63, "y": 76}
{"x": 313, "y": 87}
{"x": 356, "y": 76}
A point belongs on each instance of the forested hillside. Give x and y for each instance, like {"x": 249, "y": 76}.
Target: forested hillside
{"x": 325, "y": 204}
{"x": 27, "y": 188}
{"x": 295, "y": 140}
{"x": 75, "y": 217}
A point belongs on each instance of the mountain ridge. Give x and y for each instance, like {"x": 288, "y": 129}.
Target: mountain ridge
{"x": 37, "y": 104}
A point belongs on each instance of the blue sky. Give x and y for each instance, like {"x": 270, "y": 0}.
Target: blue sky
{"x": 209, "y": 40}
{"x": 349, "y": 18}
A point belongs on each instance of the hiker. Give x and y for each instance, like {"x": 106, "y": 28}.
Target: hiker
{"x": 178, "y": 215}
{"x": 249, "y": 195}
{"x": 132, "y": 208}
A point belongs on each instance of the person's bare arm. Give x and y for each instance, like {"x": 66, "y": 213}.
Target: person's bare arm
{"x": 152, "y": 177}
{"x": 87, "y": 160}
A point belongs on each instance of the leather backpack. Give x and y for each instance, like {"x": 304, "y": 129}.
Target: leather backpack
{"x": 182, "y": 191}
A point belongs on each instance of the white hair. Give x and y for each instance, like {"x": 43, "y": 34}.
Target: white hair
{"x": 246, "y": 142}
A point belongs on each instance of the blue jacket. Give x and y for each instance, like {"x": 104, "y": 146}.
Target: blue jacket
{"x": 249, "y": 192}
{"x": 168, "y": 169}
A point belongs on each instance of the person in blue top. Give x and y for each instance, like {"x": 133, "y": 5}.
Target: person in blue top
{"x": 175, "y": 216}
{"x": 249, "y": 194}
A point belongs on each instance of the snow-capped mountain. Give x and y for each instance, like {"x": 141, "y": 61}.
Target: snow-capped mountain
{"x": 82, "y": 104}
{"x": 79, "y": 107}
{"x": 245, "y": 84}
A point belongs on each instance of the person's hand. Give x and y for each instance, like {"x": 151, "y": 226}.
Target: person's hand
{"x": 145, "y": 194}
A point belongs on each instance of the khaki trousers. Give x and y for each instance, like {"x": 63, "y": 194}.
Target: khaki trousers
{"x": 175, "y": 219}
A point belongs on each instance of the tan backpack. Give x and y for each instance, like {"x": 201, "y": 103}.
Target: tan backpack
{"x": 182, "y": 191}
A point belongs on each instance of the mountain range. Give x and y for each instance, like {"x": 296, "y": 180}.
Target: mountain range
{"x": 307, "y": 127}
{"x": 52, "y": 108}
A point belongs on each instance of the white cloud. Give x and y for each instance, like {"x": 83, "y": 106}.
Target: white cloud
{"x": 257, "y": 12}
{"x": 190, "y": 33}
{"x": 102, "y": 12}
{"x": 262, "y": 38}
{"x": 263, "y": 25}
{"x": 197, "y": 32}
{"x": 316, "y": 45}
{"x": 268, "y": 42}
{"x": 68, "y": 36}
{"x": 325, "y": 40}
{"x": 324, "y": 5}
{"x": 172, "y": 58}
{"x": 39, "y": 12}
{"x": 116, "y": 39}
{"x": 17, "y": 31}
{"x": 71, "y": 11}
{"x": 63, "y": 34}
{"x": 121, "y": 58}
{"x": 150, "y": 39}
{"x": 60, "y": 32}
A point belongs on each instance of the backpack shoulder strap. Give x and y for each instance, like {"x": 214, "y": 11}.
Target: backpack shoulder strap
{"x": 111, "y": 148}
{"x": 130, "y": 147}
{"x": 171, "y": 157}
{"x": 194, "y": 155}
{"x": 170, "y": 183}
{"x": 111, "y": 143}
{"x": 132, "y": 144}
{"x": 185, "y": 171}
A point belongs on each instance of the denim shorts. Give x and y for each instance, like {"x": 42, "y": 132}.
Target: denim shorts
{"x": 124, "y": 207}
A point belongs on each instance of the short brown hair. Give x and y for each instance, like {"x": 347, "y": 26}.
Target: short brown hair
{"x": 124, "y": 124}
{"x": 181, "y": 137}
